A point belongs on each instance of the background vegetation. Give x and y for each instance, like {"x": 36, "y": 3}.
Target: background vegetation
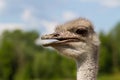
{"x": 22, "y": 59}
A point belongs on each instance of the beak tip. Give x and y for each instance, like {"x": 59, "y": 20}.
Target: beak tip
{"x": 43, "y": 37}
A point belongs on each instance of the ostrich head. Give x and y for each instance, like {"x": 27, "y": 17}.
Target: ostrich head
{"x": 73, "y": 38}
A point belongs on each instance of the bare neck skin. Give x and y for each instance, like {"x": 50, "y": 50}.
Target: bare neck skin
{"x": 87, "y": 66}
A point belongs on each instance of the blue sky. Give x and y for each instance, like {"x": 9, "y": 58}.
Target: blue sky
{"x": 44, "y": 15}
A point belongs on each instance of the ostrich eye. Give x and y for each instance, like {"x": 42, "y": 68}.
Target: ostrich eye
{"x": 82, "y": 32}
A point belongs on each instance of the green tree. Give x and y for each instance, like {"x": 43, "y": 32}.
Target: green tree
{"x": 16, "y": 54}
{"x": 105, "y": 61}
{"x": 115, "y": 37}
{"x": 110, "y": 50}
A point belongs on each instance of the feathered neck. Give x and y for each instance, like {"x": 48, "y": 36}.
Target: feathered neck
{"x": 87, "y": 66}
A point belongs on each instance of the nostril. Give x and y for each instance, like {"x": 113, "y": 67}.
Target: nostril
{"x": 56, "y": 35}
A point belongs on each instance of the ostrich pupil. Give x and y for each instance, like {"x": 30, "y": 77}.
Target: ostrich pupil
{"x": 82, "y": 32}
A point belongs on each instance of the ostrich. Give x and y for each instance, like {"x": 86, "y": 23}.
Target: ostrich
{"x": 77, "y": 39}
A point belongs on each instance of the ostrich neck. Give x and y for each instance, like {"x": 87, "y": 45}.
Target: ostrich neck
{"x": 87, "y": 66}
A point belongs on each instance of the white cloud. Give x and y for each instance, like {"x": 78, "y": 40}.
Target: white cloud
{"x": 68, "y": 15}
{"x": 110, "y": 3}
{"x": 106, "y": 3}
{"x": 27, "y": 15}
{"x": 10, "y": 27}
{"x": 29, "y": 18}
{"x": 48, "y": 25}
{"x": 2, "y": 4}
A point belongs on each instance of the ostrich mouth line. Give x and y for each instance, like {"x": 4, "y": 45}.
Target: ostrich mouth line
{"x": 61, "y": 41}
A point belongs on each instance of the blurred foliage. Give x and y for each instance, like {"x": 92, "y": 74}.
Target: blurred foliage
{"x": 22, "y": 59}
{"x": 110, "y": 51}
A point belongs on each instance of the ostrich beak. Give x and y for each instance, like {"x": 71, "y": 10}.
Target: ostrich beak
{"x": 51, "y": 36}
{"x": 61, "y": 39}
